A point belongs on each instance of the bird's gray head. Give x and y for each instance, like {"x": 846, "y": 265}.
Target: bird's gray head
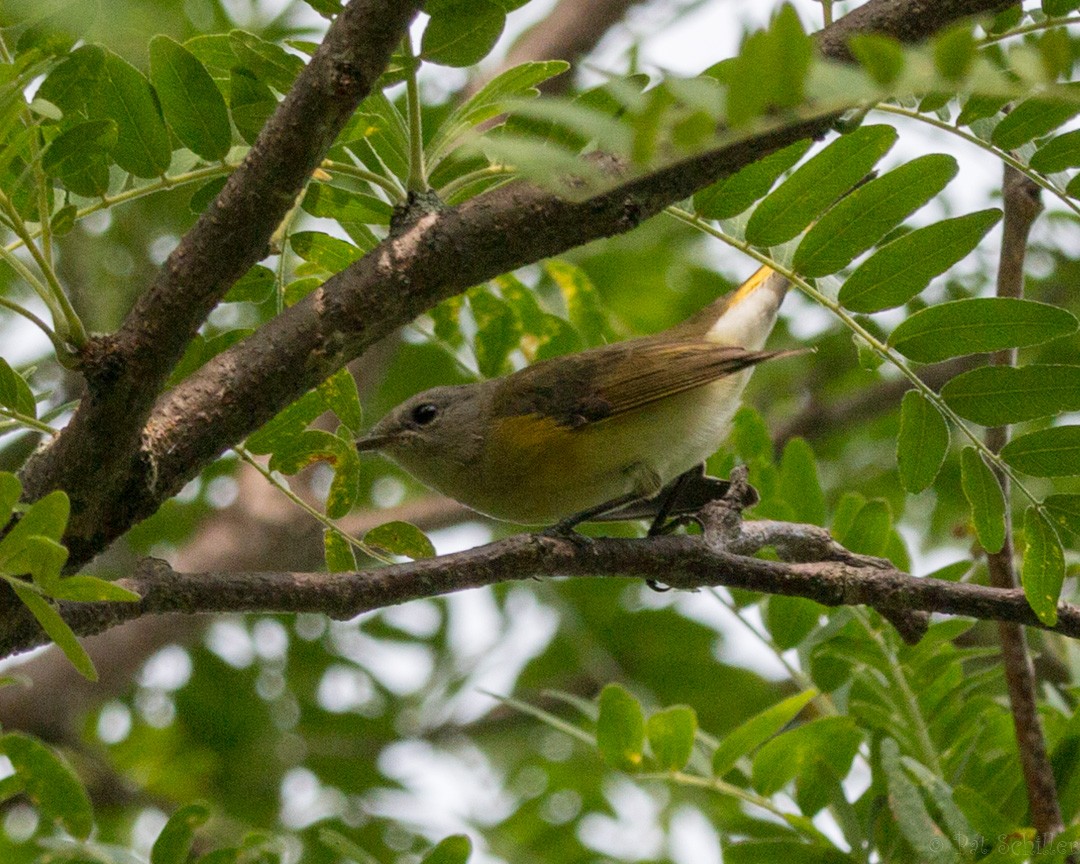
{"x": 442, "y": 426}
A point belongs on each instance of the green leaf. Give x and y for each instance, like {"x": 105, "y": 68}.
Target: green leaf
{"x": 817, "y": 184}
{"x": 91, "y": 589}
{"x": 498, "y": 332}
{"x": 15, "y": 393}
{"x": 307, "y": 448}
{"x": 1053, "y": 452}
{"x": 72, "y": 85}
{"x": 454, "y": 849}
{"x": 1057, "y": 8}
{"x": 401, "y": 538}
{"x": 344, "y": 205}
{"x": 55, "y": 627}
{"x": 746, "y": 738}
{"x": 330, "y": 254}
{"x": 271, "y": 63}
{"x": 79, "y": 157}
{"x": 345, "y": 487}
{"x": 201, "y": 349}
{"x": 790, "y": 619}
{"x": 1044, "y": 566}
{"x": 342, "y": 397}
{"x": 751, "y": 436}
{"x": 173, "y": 844}
{"x": 998, "y": 395}
{"x": 901, "y": 269}
{"x": 1064, "y": 512}
{"x": 862, "y": 218}
{"x": 881, "y": 56}
{"x": 1034, "y": 117}
{"x": 288, "y": 424}
{"x": 978, "y": 325}
{"x": 215, "y": 52}
{"x": 620, "y": 728}
{"x": 1058, "y": 153}
{"x": 43, "y": 558}
{"x": 193, "y": 105}
{"x": 770, "y": 71}
{"x": 201, "y": 197}
{"x": 799, "y": 484}
{"x": 125, "y": 97}
{"x": 583, "y": 304}
{"x": 344, "y": 846}
{"x": 922, "y": 442}
{"x": 338, "y": 552}
{"x": 955, "y": 51}
{"x": 46, "y": 517}
{"x": 671, "y": 736}
{"x": 253, "y": 287}
{"x": 51, "y": 783}
{"x": 983, "y": 492}
{"x": 832, "y": 740}
{"x": 462, "y": 32}
{"x": 910, "y": 812}
{"x": 490, "y": 101}
{"x": 10, "y": 493}
{"x": 251, "y": 103}
{"x": 870, "y": 530}
{"x": 63, "y": 220}
{"x": 730, "y": 196}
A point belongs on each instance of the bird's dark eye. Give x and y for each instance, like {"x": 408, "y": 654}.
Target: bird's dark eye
{"x": 425, "y": 413}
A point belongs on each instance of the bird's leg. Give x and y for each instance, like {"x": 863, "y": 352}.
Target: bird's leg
{"x": 660, "y": 525}
{"x": 565, "y": 527}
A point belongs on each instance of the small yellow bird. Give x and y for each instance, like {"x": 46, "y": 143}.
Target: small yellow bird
{"x": 573, "y": 438}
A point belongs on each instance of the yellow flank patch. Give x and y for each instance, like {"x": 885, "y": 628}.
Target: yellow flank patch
{"x": 525, "y": 432}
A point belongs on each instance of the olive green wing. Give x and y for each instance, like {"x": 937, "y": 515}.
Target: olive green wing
{"x": 604, "y": 382}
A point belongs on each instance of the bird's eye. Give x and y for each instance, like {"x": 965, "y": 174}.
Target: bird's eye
{"x": 425, "y": 413}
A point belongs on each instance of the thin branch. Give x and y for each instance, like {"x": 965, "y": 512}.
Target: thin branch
{"x": 833, "y": 577}
{"x": 570, "y": 31}
{"x": 1022, "y": 206}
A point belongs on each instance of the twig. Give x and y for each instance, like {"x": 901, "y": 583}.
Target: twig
{"x": 1022, "y": 206}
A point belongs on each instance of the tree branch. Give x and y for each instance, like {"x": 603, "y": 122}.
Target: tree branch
{"x": 1022, "y": 206}
{"x": 127, "y": 370}
{"x": 837, "y": 577}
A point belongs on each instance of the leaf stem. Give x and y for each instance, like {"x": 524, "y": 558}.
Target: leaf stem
{"x": 417, "y": 180}
{"x": 26, "y": 420}
{"x": 1029, "y": 28}
{"x": 464, "y": 180}
{"x": 66, "y": 319}
{"x": 1004, "y": 156}
{"x": 359, "y": 173}
{"x": 363, "y": 547}
{"x": 63, "y": 353}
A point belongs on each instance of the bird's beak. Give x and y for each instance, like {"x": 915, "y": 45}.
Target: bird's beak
{"x": 374, "y": 442}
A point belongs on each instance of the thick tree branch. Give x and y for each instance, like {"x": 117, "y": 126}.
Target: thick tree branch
{"x": 686, "y": 562}
{"x": 127, "y": 370}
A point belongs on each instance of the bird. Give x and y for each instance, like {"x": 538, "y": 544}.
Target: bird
{"x": 596, "y": 434}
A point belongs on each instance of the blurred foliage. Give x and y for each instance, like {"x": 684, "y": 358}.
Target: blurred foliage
{"x": 643, "y": 723}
